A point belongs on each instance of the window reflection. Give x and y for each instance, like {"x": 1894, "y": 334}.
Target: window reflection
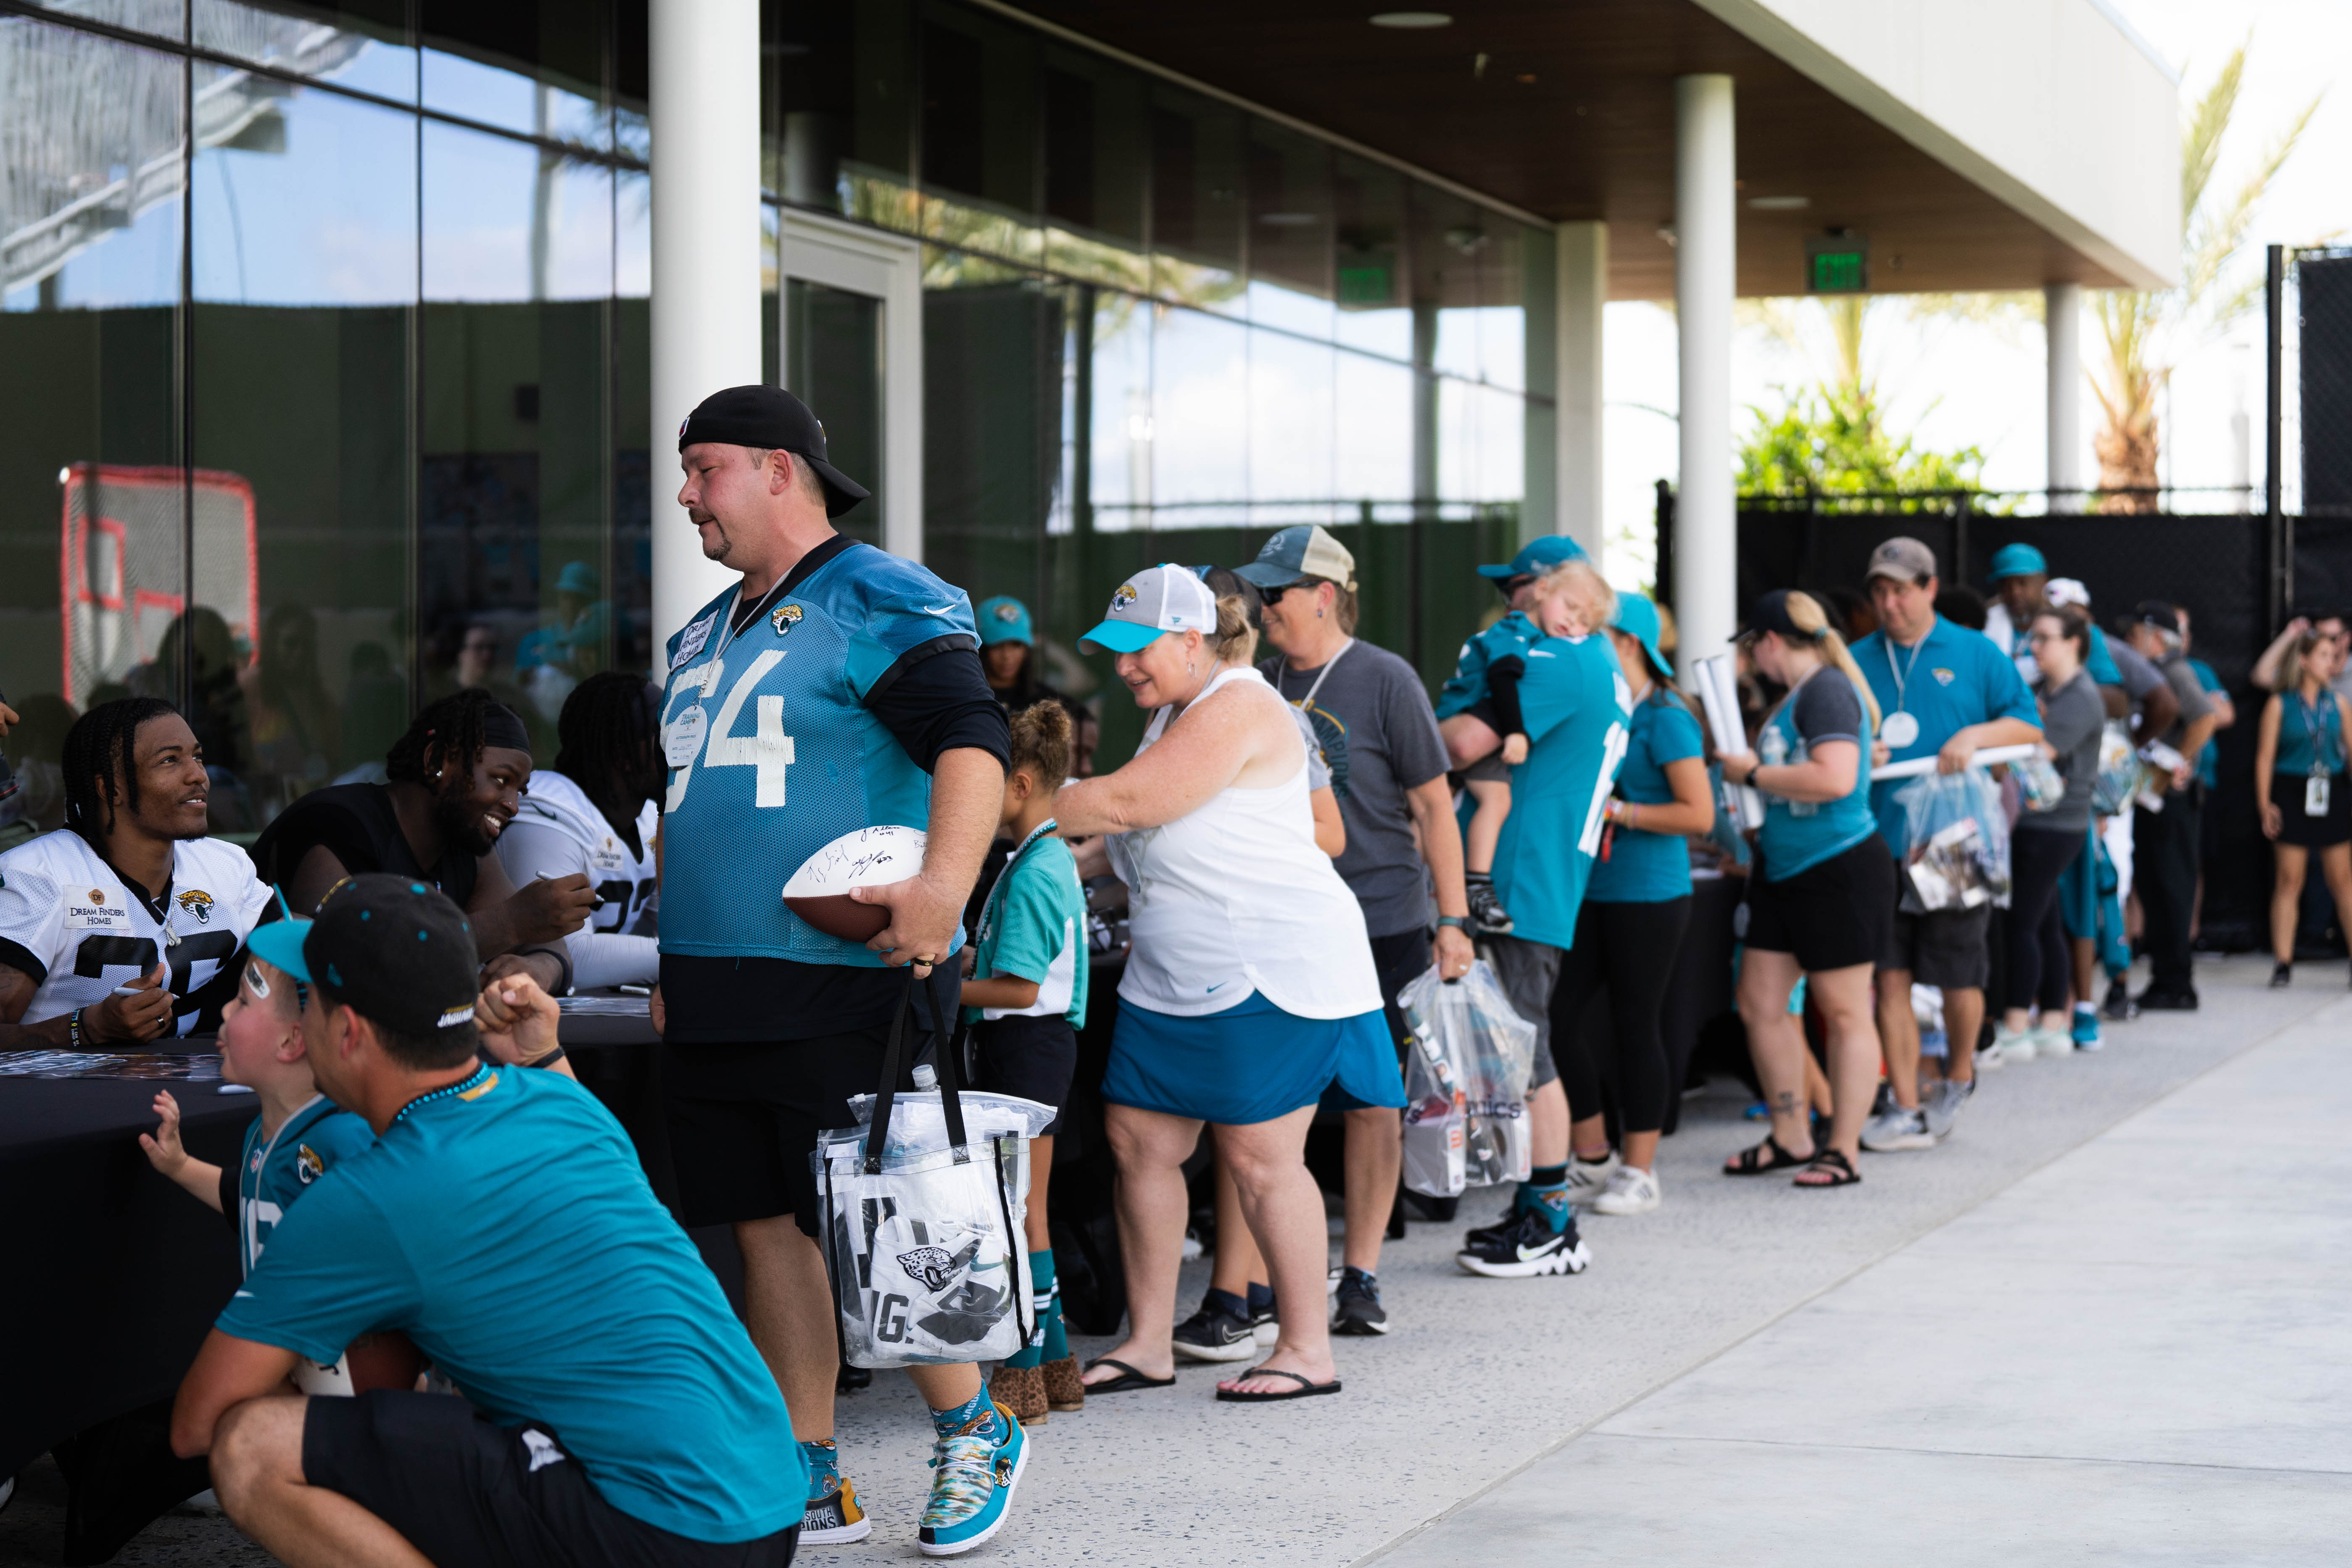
{"x": 534, "y": 67}
{"x": 831, "y": 358}
{"x": 305, "y": 278}
{"x": 360, "y": 44}
{"x": 1199, "y": 419}
{"x": 1290, "y": 281}
{"x": 1196, "y": 200}
{"x": 1290, "y": 434}
{"x": 1369, "y": 257}
{"x": 1373, "y": 435}
{"x": 162, "y": 18}
{"x": 1119, "y": 425}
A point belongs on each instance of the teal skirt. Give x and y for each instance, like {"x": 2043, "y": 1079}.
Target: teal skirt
{"x": 1247, "y": 1064}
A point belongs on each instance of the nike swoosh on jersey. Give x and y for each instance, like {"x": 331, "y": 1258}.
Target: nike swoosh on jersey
{"x": 244, "y": 1296}
{"x": 938, "y": 609}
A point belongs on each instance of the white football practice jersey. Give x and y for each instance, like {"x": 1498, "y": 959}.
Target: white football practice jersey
{"x": 624, "y": 879}
{"x": 68, "y": 921}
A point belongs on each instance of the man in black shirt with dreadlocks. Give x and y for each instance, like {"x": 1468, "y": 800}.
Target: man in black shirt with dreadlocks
{"x": 454, "y": 781}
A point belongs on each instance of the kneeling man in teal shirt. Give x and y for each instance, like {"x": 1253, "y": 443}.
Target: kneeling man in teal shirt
{"x": 615, "y": 1410}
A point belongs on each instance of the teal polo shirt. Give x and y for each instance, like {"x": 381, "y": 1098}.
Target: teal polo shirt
{"x": 505, "y": 1225}
{"x": 1949, "y": 680}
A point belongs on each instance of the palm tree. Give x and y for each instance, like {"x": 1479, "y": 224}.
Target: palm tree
{"x": 2146, "y": 331}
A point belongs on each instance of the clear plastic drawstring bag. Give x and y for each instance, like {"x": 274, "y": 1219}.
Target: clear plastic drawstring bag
{"x": 1958, "y": 842}
{"x": 1436, "y": 1116}
{"x": 925, "y": 1204}
{"x": 2120, "y": 772}
{"x": 2039, "y": 785}
{"x": 1490, "y": 1050}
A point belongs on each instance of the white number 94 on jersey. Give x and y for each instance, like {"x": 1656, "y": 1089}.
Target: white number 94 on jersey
{"x": 767, "y": 750}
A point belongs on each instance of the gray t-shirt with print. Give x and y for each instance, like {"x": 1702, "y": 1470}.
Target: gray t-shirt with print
{"x": 1380, "y": 738}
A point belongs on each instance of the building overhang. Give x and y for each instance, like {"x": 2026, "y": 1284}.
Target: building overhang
{"x": 2000, "y": 145}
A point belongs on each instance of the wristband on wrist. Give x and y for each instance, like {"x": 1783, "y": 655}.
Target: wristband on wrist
{"x": 1459, "y": 922}
{"x": 548, "y": 1060}
{"x": 73, "y": 1029}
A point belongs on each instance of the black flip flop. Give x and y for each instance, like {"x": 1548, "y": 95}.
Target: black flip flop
{"x": 1755, "y": 1161}
{"x": 1307, "y": 1387}
{"x": 1127, "y": 1382}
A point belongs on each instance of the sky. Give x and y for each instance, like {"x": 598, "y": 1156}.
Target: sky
{"x": 1981, "y": 383}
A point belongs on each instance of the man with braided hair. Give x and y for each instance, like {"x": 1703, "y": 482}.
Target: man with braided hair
{"x": 593, "y": 815}
{"x": 454, "y": 782}
{"x": 122, "y": 926}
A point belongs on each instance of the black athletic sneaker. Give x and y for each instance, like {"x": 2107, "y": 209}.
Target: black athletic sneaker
{"x": 2282, "y": 977}
{"x": 2120, "y": 1005}
{"x": 1528, "y": 1248}
{"x": 1358, "y": 1308}
{"x": 1487, "y": 1234}
{"x": 1211, "y": 1335}
{"x": 1487, "y": 911}
{"x": 2166, "y": 1000}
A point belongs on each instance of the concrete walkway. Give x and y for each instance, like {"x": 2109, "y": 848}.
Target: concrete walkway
{"x": 2111, "y": 1310}
{"x": 2109, "y": 1321}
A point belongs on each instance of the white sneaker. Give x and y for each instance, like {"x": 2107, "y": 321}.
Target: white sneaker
{"x": 2048, "y": 1042}
{"x": 1587, "y": 1182}
{"x": 1631, "y": 1190}
{"x": 2014, "y": 1048}
{"x": 1993, "y": 1057}
{"x": 1895, "y": 1128}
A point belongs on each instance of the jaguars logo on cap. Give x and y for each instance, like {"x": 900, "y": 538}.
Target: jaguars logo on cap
{"x": 1125, "y": 596}
{"x": 199, "y": 904}
{"x": 785, "y": 618}
{"x": 1013, "y": 612}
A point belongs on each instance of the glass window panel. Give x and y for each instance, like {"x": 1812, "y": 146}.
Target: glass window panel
{"x": 362, "y": 44}
{"x": 1118, "y": 432}
{"x": 1290, "y": 435}
{"x": 833, "y": 356}
{"x": 536, "y": 67}
{"x": 632, "y": 470}
{"x": 1369, "y": 259}
{"x": 1482, "y": 439}
{"x": 980, "y": 134}
{"x": 1290, "y": 282}
{"x": 1502, "y": 305}
{"x": 1196, "y": 200}
{"x": 1199, "y": 420}
{"x": 90, "y": 495}
{"x": 1096, "y": 173}
{"x": 512, "y": 220}
{"x": 843, "y": 106}
{"x": 991, "y": 431}
{"x": 1373, "y": 428}
{"x": 305, "y": 277}
{"x": 1448, "y": 235}
{"x": 162, "y": 18}
{"x": 518, "y": 269}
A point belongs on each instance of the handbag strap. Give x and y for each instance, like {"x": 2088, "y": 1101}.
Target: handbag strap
{"x": 895, "y": 1066}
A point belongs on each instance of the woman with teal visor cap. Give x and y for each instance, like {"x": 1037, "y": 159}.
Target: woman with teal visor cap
{"x": 1249, "y": 987}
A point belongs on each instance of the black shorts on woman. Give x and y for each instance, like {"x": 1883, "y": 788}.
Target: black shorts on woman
{"x": 2289, "y": 792}
{"x": 1833, "y": 915}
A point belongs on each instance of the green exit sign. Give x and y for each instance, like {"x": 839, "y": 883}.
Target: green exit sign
{"x": 1837, "y": 264}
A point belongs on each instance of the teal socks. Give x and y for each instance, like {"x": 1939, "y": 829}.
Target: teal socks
{"x": 979, "y": 1408}
{"x": 1047, "y": 1341}
{"x": 824, "y": 1468}
{"x": 1545, "y": 1192}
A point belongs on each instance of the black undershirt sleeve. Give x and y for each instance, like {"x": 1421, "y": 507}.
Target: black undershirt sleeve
{"x": 228, "y": 1196}
{"x": 1502, "y": 687}
{"x": 935, "y": 700}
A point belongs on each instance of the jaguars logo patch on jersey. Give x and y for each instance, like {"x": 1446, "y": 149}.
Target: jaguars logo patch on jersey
{"x": 307, "y": 1165}
{"x": 198, "y": 902}
{"x": 785, "y": 618}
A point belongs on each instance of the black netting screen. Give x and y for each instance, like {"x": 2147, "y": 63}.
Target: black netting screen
{"x": 2323, "y": 339}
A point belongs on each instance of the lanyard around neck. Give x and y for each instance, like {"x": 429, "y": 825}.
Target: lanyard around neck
{"x": 1307, "y": 702}
{"x": 1903, "y": 676}
{"x": 988, "y": 904}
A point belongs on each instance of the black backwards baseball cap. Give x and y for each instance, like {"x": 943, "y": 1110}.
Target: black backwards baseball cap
{"x": 1770, "y": 613}
{"x": 770, "y": 417}
{"x": 393, "y": 949}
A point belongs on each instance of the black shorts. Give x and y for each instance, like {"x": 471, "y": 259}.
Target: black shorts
{"x": 744, "y": 1118}
{"x": 1033, "y": 1058}
{"x": 1950, "y": 948}
{"x": 466, "y": 1491}
{"x": 1833, "y": 915}
{"x": 2296, "y": 826}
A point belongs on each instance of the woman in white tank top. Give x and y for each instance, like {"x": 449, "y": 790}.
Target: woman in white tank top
{"x": 1250, "y": 985}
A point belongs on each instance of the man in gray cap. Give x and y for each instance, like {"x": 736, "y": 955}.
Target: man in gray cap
{"x": 1946, "y": 692}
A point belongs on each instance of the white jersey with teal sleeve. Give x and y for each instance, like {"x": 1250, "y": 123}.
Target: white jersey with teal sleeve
{"x": 1578, "y": 710}
{"x": 789, "y": 756}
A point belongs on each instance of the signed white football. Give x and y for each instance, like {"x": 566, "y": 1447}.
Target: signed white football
{"x": 869, "y": 858}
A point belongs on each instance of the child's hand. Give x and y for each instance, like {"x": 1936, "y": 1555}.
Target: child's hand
{"x": 162, "y": 1147}
{"x": 1515, "y": 748}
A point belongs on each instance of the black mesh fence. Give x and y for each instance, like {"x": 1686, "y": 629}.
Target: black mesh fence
{"x": 2317, "y": 345}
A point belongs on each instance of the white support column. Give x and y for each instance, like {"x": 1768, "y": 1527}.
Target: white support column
{"x": 2062, "y": 316}
{"x": 705, "y": 109}
{"x": 1582, "y": 271}
{"x": 1706, "y": 520}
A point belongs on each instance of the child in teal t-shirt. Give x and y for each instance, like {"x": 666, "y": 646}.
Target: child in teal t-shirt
{"x": 1026, "y": 996}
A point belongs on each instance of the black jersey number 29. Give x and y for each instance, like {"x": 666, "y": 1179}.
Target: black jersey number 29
{"x": 96, "y": 953}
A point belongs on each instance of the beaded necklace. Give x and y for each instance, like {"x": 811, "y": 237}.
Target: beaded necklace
{"x": 481, "y": 1074}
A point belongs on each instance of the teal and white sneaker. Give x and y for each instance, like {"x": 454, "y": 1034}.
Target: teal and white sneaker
{"x": 2085, "y": 1031}
{"x": 972, "y": 1477}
